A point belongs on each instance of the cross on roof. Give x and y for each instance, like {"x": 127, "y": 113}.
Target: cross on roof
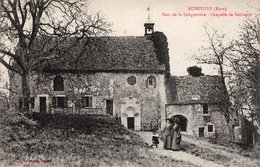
{"x": 148, "y": 9}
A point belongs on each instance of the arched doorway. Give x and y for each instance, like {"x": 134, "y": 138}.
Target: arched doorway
{"x": 183, "y": 122}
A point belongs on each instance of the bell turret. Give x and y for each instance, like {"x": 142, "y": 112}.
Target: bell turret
{"x": 149, "y": 25}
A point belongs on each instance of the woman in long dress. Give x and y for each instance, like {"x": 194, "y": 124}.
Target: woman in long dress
{"x": 176, "y": 140}
{"x": 168, "y": 135}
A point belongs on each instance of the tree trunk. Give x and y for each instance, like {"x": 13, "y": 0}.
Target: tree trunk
{"x": 258, "y": 91}
{"x": 26, "y": 93}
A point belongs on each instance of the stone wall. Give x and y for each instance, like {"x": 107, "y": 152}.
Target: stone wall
{"x": 147, "y": 102}
{"x": 196, "y": 119}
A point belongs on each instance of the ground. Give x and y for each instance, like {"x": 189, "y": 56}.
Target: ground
{"x": 203, "y": 153}
{"x": 84, "y": 140}
{"x": 73, "y": 140}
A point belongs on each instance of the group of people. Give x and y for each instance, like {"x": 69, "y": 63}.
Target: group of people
{"x": 171, "y": 135}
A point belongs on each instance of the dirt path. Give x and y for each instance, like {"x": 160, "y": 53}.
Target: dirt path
{"x": 177, "y": 155}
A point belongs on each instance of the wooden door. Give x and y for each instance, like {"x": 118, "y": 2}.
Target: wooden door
{"x": 43, "y": 105}
{"x": 131, "y": 123}
{"x": 201, "y": 132}
{"x": 109, "y": 107}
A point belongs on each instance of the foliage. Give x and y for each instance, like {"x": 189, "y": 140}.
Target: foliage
{"x": 245, "y": 65}
{"x": 16, "y": 127}
{"x": 215, "y": 54}
{"x": 238, "y": 62}
{"x": 4, "y": 94}
{"x": 195, "y": 71}
{"x": 23, "y": 23}
{"x": 161, "y": 49}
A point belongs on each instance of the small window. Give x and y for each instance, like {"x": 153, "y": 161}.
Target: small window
{"x": 151, "y": 82}
{"x": 210, "y": 128}
{"x": 131, "y": 80}
{"x": 87, "y": 101}
{"x": 59, "y": 102}
{"x": 205, "y": 109}
{"x": 58, "y": 83}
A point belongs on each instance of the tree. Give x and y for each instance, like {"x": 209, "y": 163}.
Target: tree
{"x": 161, "y": 49}
{"x": 32, "y": 31}
{"x": 195, "y": 71}
{"x": 216, "y": 53}
{"x": 246, "y": 65}
{"x": 4, "y": 90}
{"x": 238, "y": 62}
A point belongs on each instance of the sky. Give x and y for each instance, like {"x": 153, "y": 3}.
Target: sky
{"x": 185, "y": 34}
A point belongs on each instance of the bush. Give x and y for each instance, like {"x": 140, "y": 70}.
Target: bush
{"x": 16, "y": 126}
{"x": 161, "y": 49}
{"x": 195, "y": 71}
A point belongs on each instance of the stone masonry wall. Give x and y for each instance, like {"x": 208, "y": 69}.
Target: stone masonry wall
{"x": 102, "y": 86}
{"x": 196, "y": 119}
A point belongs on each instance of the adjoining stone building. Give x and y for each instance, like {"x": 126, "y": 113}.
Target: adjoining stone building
{"x": 196, "y": 101}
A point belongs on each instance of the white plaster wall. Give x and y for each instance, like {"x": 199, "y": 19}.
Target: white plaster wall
{"x": 131, "y": 108}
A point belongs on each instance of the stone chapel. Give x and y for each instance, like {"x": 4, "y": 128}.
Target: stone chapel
{"x": 126, "y": 78}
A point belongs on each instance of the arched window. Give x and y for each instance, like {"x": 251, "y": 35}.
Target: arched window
{"x": 58, "y": 83}
{"x": 151, "y": 82}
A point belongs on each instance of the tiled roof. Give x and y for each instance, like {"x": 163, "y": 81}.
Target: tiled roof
{"x": 110, "y": 54}
{"x": 191, "y": 90}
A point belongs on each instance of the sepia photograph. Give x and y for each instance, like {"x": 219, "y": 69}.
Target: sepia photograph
{"x": 123, "y": 83}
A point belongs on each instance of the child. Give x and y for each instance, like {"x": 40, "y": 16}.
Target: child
{"x": 155, "y": 139}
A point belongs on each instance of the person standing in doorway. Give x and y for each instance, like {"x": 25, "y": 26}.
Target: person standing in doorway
{"x": 168, "y": 134}
{"x": 176, "y": 140}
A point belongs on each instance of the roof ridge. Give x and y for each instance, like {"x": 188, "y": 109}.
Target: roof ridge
{"x": 188, "y": 76}
{"x": 121, "y": 36}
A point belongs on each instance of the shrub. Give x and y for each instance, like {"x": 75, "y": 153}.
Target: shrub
{"x": 161, "y": 49}
{"x": 195, "y": 71}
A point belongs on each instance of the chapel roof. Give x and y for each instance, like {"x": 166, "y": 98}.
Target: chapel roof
{"x": 110, "y": 53}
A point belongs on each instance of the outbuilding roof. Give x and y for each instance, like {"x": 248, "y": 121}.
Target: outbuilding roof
{"x": 194, "y": 90}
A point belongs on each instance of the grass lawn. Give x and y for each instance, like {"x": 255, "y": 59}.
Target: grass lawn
{"x": 228, "y": 155}
{"x": 73, "y": 140}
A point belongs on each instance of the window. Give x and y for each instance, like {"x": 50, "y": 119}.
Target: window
{"x": 205, "y": 109}
{"x": 87, "y": 101}
{"x": 210, "y": 128}
{"x": 131, "y": 80}
{"x": 151, "y": 82}
{"x": 58, "y": 83}
{"x": 201, "y": 132}
{"x": 59, "y": 102}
